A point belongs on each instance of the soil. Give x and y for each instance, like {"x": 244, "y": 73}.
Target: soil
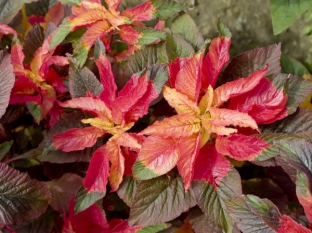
{"x": 249, "y": 22}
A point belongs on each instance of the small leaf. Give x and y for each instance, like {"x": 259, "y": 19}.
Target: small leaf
{"x": 212, "y": 202}
{"x": 246, "y": 63}
{"x": 22, "y": 198}
{"x": 154, "y": 228}
{"x": 62, "y": 190}
{"x": 177, "y": 47}
{"x": 160, "y": 200}
{"x": 7, "y": 79}
{"x": 284, "y": 13}
{"x": 5, "y": 148}
{"x": 149, "y": 35}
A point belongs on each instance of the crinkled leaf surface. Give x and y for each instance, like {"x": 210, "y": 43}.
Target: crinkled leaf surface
{"x": 127, "y": 190}
{"x": 246, "y": 63}
{"x": 160, "y": 200}
{"x": 7, "y": 79}
{"x": 22, "y": 198}
{"x": 32, "y": 42}
{"x": 212, "y": 201}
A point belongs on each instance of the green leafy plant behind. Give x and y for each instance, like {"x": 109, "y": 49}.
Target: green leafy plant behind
{"x": 130, "y": 121}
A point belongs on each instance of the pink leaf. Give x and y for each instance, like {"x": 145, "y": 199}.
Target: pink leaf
{"x": 237, "y": 87}
{"x": 143, "y": 12}
{"x": 215, "y": 60}
{"x": 287, "y": 224}
{"x": 112, "y": 4}
{"x": 189, "y": 149}
{"x": 265, "y": 103}
{"x": 98, "y": 171}
{"x": 77, "y": 138}
{"x": 211, "y": 166}
{"x": 17, "y": 58}
{"x": 5, "y": 29}
{"x": 241, "y": 147}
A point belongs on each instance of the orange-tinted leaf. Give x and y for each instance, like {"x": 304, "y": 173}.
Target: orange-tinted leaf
{"x": 77, "y": 138}
{"x": 287, "y": 224}
{"x": 126, "y": 140}
{"x": 89, "y": 104}
{"x": 237, "y": 87}
{"x": 155, "y": 160}
{"x": 206, "y": 101}
{"x": 143, "y": 12}
{"x": 129, "y": 34}
{"x": 215, "y": 60}
{"x": 188, "y": 80}
{"x": 241, "y": 147}
{"x": 211, "y": 166}
{"x": 17, "y": 58}
{"x": 217, "y": 119}
{"x": 118, "y": 164}
{"x": 98, "y": 172}
{"x": 113, "y": 4}
{"x": 55, "y": 14}
{"x": 176, "y": 126}
{"x": 189, "y": 149}
{"x": 180, "y": 102}
{"x": 265, "y": 104}
{"x": 87, "y": 18}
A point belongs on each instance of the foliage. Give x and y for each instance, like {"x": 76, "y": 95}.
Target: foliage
{"x": 130, "y": 121}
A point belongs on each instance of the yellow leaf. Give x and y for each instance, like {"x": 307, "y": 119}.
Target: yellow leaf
{"x": 206, "y": 101}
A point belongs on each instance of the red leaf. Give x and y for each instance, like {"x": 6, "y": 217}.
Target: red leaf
{"x": 188, "y": 80}
{"x": 288, "y": 225}
{"x": 55, "y": 81}
{"x": 55, "y": 114}
{"x": 143, "y": 12}
{"x": 77, "y": 138}
{"x": 98, "y": 171}
{"x": 129, "y": 34}
{"x": 90, "y": 220}
{"x": 155, "y": 160}
{"x": 189, "y": 149}
{"x": 95, "y": 106}
{"x": 5, "y": 29}
{"x": 211, "y": 166}
{"x": 237, "y": 87}
{"x": 130, "y": 158}
{"x": 174, "y": 68}
{"x": 265, "y": 103}
{"x": 241, "y": 147}
{"x": 23, "y": 86}
{"x": 215, "y": 60}
{"x": 7, "y": 79}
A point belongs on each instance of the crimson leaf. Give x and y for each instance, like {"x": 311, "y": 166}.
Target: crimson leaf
{"x": 159, "y": 200}
{"x": 22, "y": 198}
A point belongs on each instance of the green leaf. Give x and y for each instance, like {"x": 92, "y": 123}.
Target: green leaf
{"x": 159, "y": 75}
{"x": 223, "y": 30}
{"x": 153, "y": 229}
{"x": 83, "y": 81}
{"x": 293, "y": 66}
{"x": 301, "y": 120}
{"x": 166, "y": 9}
{"x": 62, "y": 31}
{"x": 160, "y": 200}
{"x": 212, "y": 202}
{"x": 177, "y": 47}
{"x": 284, "y": 13}
{"x": 71, "y": 2}
{"x": 149, "y": 35}
{"x": 127, "y": 190}
{"x": 5, "y": 148}
{"x": 63, "y": 189}
{"x": 22, "y": 198}
{"x": 69, "y": 121}
{"x": 84, "y": 200}
{"x": 248, "y": 62}
{"x": 254, "y": 215}
{"x": 8, "y": 9}
{"x": 296, "y": 88}
{"x": 35, "y": 110}
{"x": 185, "y": 27}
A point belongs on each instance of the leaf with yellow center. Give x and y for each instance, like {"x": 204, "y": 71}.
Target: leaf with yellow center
{"x": 206, "y": 101}
{"x": 180, "y": 102}
{"x": 99, "y": 123}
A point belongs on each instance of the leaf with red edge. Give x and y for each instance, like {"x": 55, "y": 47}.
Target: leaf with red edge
{"x": 248, "y": 62}
{"x": 215, "y": 60}
{"x": 304, "y": 194}
{"x": 188, "y": 80}
{"x": 189, "y": 149}
{"x": 77, "y": 138}
{"x": 5, "y": 30}
{"x": 177, "y": 126}
{"x": 143, "y": 12}
{"x": 22, "y": 198}
{"x": 217, "y": 119}
{"x": 155, "y": 160}
{"x": 238, "y": 87}
{"x": 241, "y": 147}
{"x": 113, "y": 4}
{"x": 7, "y": 79}
{"x": 108, "y": 95}
{"x": 211, "y": 166}
{"x": 90, "y": 220}
{"x": 265, "y": 105}
{"x": 97, "y": 175}
{"x": 17, "y": 58}
{"x": 287, "y": 224}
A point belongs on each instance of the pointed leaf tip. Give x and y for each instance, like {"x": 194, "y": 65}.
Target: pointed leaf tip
{"x": 223, "y": 30}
